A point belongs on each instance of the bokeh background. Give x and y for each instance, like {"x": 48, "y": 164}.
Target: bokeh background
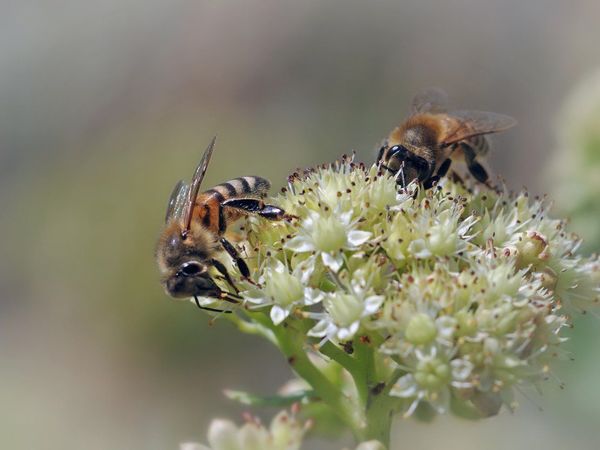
{"x": 104, "y": 105}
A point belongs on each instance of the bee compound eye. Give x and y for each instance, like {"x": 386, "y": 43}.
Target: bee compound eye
{"x": 399, "y": 151}
{"x": 189, "y": 269}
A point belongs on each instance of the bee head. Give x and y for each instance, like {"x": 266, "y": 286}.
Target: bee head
{"x": 184, "y": 262}
{"x": 412, "y": 166}
{"x": 190, "y": 279}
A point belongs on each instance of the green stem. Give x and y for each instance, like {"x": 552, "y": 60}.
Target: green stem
{"x": 291, "y": 343}
{"x": 371, "y": 418}
{"x": 361, "y": 375}
{"x": 379, "y": 420}
{"x": 380, "y": 412}
{"x": 335, "y": 353}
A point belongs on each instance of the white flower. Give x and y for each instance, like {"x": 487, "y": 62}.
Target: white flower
{"x": 344, "y": 313}
{"x": 285, "y": 433}
{"x": 284, "y": 290}
{"x": 328, "y": 235}
{"x": 431, "y": 378}
{"x": 464, "y": 289}
{"x": 370, "y": 445}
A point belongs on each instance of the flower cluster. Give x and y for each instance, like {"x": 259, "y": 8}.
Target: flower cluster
{"x": 286, "y": 432}
{"x": 443, "y": 299}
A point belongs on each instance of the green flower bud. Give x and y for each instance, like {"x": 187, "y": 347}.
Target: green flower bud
{"x": 531, "y": 248}
{"x": 432, "y": 374}
{"x": 466, "y": 323}
{"x": 421, "y": 329}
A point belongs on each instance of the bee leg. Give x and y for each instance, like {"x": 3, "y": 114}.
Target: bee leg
{"x": 428, "y": 184}
{"x": 478, "y": 172}
{"x": 235, "y": 255}
{"x": 256, "y": 206}
{"x": 223, "y": 271}
{"x": 456, "y": 178}
{"x": 476, "y": 169}
{"x": 206, "y": 308}
{"x": 443, "y": 170}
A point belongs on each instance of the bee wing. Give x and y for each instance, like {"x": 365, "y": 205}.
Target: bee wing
{"x": 466, "y": 124}
{"x": 430, "y": 99}
{"x": 177, "y": 201}
{"x": 194, "y": 186}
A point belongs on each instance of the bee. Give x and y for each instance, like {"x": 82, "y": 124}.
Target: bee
{"x": 193, "y": 234}
{"x": 424, "y": 146}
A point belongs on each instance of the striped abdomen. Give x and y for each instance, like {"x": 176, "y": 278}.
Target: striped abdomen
{"x": 212, "y": 215}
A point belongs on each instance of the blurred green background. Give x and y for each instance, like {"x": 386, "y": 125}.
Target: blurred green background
{"x": 104, "y": 105}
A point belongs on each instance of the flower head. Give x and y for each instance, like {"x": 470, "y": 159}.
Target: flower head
{"x": 455, "y": 295}
{"x": 284, "y": 289}
{"x": 285, "y": 433}
{"x": 328, "y": 235}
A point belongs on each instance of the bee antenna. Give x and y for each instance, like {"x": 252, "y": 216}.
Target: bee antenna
{"x": 401, "y": 174}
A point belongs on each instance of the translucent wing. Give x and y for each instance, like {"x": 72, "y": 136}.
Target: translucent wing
{"x": 429, "y": 100}
{"x": 195, "y": 185}
{"x": 177, "y": 201}
{"x": 465, "y": 124}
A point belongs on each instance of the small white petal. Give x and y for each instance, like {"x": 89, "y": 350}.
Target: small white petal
{"x": 300, "y": 244}
{"x": 279, "y": 267}
{"x": 253, "y": 437}
{"x": 256, "y": 296}
{"x": 192, "y": 446}
{"x": 461, "y": 369}
{"x": 357, "y": 237}
{"x": 461, "y": 384}
{"x": 313, "y": 296}
{"x": 320, "y": 329}
{"x": 223, "y": 435}
{"x": 405, "y": 387}
{"x": 466, "y": 225}
{"x": 413, "y": 406}
{"x": 305, "y": 269}
{"x": 278, "y": 314}
{"x": 286, "y": 432}
{"x": 372, "y": 304}
{"x": 344, "y": 334}
{"x": 446, "y": 326}
{"x": 205, "y": 301}
{"x": 309, "y": 222}
{"x": 419, "y": 249}
{"x": 371, "y": 445}
{"x": 331, "y": 261}
{"x": 440, "y": 401}
{"x": 345, "y": 217}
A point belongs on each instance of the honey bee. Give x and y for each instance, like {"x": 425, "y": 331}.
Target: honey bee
{"x": 424, "y": 146}
{"x": 193, "y": 234}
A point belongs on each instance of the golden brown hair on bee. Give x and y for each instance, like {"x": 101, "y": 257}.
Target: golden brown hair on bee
{"x": 208, "y": 205}
{"x": 423, "y": 146}
{"x": 193, "y": 235}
